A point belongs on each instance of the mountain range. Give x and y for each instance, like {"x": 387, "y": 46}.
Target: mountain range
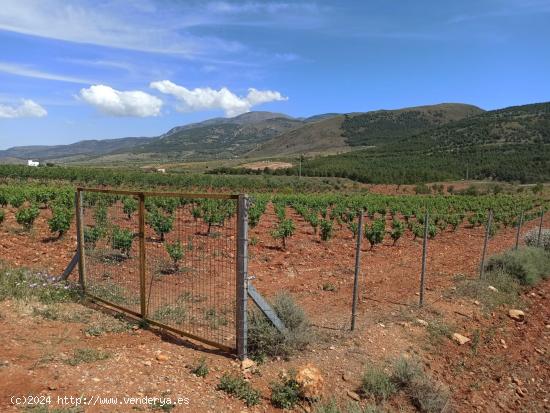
{"x": 264, "y": 135}
{"x": 252, "y": 134}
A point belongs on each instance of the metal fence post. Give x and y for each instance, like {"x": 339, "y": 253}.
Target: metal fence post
{"x": 485, "y": 241}
{"x": 142, "y": 292}
{"x": 519, "y": 229}
{"x": 242, "y": 276}
{"x": 357, "y": 265}
{"x": 80, "y": 239}
{"x": 540, "y": 227}
{"x": 424, "y": 252}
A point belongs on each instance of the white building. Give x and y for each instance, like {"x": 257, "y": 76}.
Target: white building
{"x": 30, "y": 162}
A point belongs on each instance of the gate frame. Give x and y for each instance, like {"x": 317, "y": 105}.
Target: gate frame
{"x": 241, "y": 282}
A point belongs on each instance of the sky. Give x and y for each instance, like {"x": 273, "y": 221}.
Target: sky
{"x": 98, "y": 69}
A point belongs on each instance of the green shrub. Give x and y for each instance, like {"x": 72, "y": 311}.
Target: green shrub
{"x": 313, "y": 220}
{"x": 239, "y": 388}
{"x": 161, "y": 224}
{"x": 122, "y": 239}
{"x": 201, "y": 369}
{"x": 286, "y": 393}
{"x": 528, "y": 265}
{"x": 264, "y": 340}
{"x": 129, "y": 206}
{"x": 285, "y": 229}
{"x": 378, "y": 383}
{"x": 60, "y": 221}
{"x": 17, "y": 200}
{"x": 2, "y": 215}
{"x": 398, "y": 228}
{"x": 508, "y": 289}
{"x": 326, "y": 226}
{"x": 86, "y": 355}
{"x": 25, "y": 216}
{"x": 375, "y": 232}
{"x": 176, "y": 253}
{"x": 405, "y": 370}
{"x": 427, "y": 395}
{"x": 91, "y": 236}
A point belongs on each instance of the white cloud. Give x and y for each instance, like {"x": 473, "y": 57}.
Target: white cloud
{"x": 208, "y": 99}
{"x": 27, "y": 109}
{"x": 121, "y": 103}
{"x": 26, "y": 71}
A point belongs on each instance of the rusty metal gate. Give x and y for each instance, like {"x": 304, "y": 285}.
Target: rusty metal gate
{"x": 177, "y": 261}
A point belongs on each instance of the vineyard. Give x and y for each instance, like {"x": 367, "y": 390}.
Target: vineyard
{"x": 300, "y": 244}
{"x": 284, "y": 228}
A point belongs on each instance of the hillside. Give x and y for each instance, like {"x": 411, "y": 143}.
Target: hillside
{"x": 220, "y": 139}
{"x": 343, "y": 132}
{"x": 505, "y": 144}
{"x": 212, "y": 138}
{"x": 316, "y": 136}
{"x": 87, "y": 147}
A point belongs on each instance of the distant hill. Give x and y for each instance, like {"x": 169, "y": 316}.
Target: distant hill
{"x": 81, "y": 148}
{"x": 506, "y": 144}
{"x": 213, "y": 138}
{"x": 219, "y": 138}
{"x": 343, "y": 132}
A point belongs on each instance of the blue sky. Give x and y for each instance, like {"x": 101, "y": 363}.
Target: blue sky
{"x": 72, "y": 70}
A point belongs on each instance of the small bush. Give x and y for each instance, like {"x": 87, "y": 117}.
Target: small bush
{"x": 378, "y": 383}
{"x": 326, "y": 229}
{"x": 531, "y": 238}
{"x": 201, "y": 369}
{"x": 528, "y": 265}
{"x": 405, "y": 370}
{"x": 239, "y": 388}
{"x": 507, "y": 286}
{"x": 25, "y": 216}
{"x": 375, "y": 232}
{"x": 161, "y": 224}
{"x": 91, "y": 236}
{"x": 427, "y": 395}
{"x": 286, "y": 393}
{"x": 398, "y": 228}
{"x": 122, "y": 239}
{"x": 176, "y": 253}
{"x": 129, "y": 206}
{"x": 60, "y": 221}
{"x": 2, "y": 215}
{"x": 285, "y": 229}
{"x": 264, "y": 340}
{"x": 86, "y": 355}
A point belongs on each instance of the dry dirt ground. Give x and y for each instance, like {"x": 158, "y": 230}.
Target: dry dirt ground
{"x": 266, "y": 164}
{"x": 504, "y": 368}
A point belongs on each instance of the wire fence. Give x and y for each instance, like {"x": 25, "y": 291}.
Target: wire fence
{"x": 170, "y": 259}
{"x": 321, "y": 275}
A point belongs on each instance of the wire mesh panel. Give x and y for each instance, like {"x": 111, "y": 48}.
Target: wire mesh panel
{"x": 168, "y": 258}
{"x": 111, "y": 253}
{"x": 190, "y": 248}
